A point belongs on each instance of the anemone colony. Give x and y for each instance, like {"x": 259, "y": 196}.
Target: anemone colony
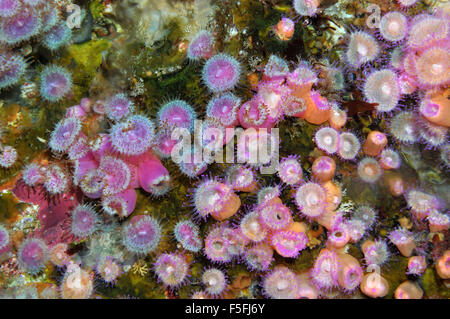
{"x": 357, "y": 205}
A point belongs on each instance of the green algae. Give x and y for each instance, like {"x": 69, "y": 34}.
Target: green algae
{"x": 305, "y": 259}
{"x": 184, "y": 84}
{"x": 395, "y": 273}
{"x": 8, "y": 206}
{"x": 296, "y": 138}
{"x": 434, "y": 286}
{"x": 27, "y": 130}
{"x": 137, "y": 286}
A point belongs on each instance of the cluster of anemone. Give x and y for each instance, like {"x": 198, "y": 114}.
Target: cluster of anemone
{"x": 422, "y": 69}
{"x": 111, "y": 166}
{"x": 108, "y": 166}
{"x": 281, "y": 93}
{"x": 418, "y": 67}
{"x": 266, "y": 228}
{"x": 24, "y": 22}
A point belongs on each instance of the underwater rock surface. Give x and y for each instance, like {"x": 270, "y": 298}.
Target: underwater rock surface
{"x": 224, "y": 149}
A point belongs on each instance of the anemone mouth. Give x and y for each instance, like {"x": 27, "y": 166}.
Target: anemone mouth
{"x": 119, "y": 107}
{"x": 20, "y": 27}
{"x": 240, "y": 177}
{"x": 290, "y": 171}
{"x": 92, "y": 182}
{"x": 221, "y": 73}
{"x": 310, "y": 199}
{"x": 281, "y": 283}
{"x": 293, "y": 105}
{"x": 218, "y": 245}
{"x": 353, "y": 279}
{"x": 117, "y": 175}
{"x": 393, "y": 26}
{"x": 8, "y": 156}
{"x": 327, "y": 139}
{"x": 211, "y": 196}
{"x": 428, "y": 108}
{"x": 362, "y": 48}
{"x": 8, "y": 8}
{"x": 252, "y": 228}
{"x": 224, "y": 108}
{"x": 275, "y": 216}
{"x": 64, "y": 134}
{"x": 142, "y": 235}
{"x": 382, "y": 87}
{"x": 177, "y": 113}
